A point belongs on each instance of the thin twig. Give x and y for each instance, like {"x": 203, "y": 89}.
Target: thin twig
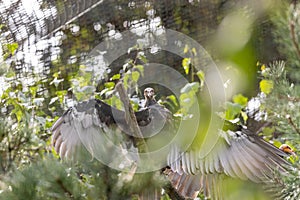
{"x": 293, "y": 125}
{"x": 293, "y": 32}
{"x": 60, "y": 183}
{"x": 293, "y": 99}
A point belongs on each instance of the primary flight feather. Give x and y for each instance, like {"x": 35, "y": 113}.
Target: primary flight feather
{"x": 240, "y": 154}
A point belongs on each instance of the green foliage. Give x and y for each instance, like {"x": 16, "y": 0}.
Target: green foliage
{"x": 279, "y": 100}
{"x": 134, "y": 71}
{"x": 188, "y": 96}
{"x": 19, "y": 142}
{"x": 186, "y": 65}
{"x": 240, "y": 99}
{"x": 266, "y": 86}
{"x": 232, "y": 110}
{"x": 201, "y": 76}
{"x": 29, "y": 108}
{"x": 9, "y": 49}
{"x": 286, "y": 33}
{"x": 51, "y": 179}
{"x": 44, "y": 180}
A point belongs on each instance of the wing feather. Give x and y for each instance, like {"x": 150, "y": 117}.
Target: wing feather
{"x": 207, "y": 164}
{"x": 237, "y": 154}
{"x": 184, "y": 163}
{"x": 58, "y": 144}
{"x": 91, "y": 125}
{"x": 251, "y": 170}
{"x": 216, "y": 160}
{"x": 193, "y": 160}
{"x": 227, "y": 163}
{"x": 240, "y": 162}
{"x": 63, "y": 150}
{"x": 188, "y": 163}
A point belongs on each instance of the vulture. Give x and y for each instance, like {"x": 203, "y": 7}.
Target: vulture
{"x": 238, "y": 154}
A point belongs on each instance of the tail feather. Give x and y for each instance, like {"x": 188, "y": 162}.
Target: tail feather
{"x": 150, "y": 194}
{"x": 189, "y": 186}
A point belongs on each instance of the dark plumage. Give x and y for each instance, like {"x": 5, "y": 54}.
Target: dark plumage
{"x": 242, "y": 154}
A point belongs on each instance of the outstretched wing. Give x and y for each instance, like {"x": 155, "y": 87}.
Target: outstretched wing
{"x": 237, "y": 154}
{"x": 160, "y": 121}
{"x": 96, "y": 126}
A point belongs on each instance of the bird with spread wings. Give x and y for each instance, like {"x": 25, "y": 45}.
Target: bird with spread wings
{"x": 239, "y": 154}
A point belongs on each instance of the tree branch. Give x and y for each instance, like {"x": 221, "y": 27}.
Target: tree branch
{"x": 60, "y": 183}
{"x": 130, "y": 117}
{"x": 293, "y": 125}
{"x": 293, "y": 32}
{"x": 293, "y": 99}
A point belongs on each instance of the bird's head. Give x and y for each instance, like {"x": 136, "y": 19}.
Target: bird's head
{"x": 149, "y": 93}
{"x": 287, "y": 149}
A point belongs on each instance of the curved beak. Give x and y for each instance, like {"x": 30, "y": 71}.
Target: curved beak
{"x": 150, "y": 95}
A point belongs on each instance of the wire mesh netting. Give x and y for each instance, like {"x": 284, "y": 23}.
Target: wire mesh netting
{"x": 40, "y": 27}
{"x": 52, "y": 34}
{"x": 47, "y": 58}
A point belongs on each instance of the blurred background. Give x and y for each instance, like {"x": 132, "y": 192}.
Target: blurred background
{"x": 46, "y": 68}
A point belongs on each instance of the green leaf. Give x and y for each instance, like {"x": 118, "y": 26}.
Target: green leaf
{"x": 268, "y": 131}
{"x": 18, "y": 113}
{"x": 135, "y": 105}
{"x": 194, "y": 51}
{"x": 240, "y": 99}
{"x": 142, "y": 57}
{"x": 56, "y": 74}
{"x": 190, "y": 87}
{"x": 188, "y": 96}
{"x": 33, "y": 90}
{"x": 186, "y": 49}
{"x": 10, "y": 74}
{"x": 244, "y": 116}
{"x": 12, "y": 48}
{"x": 232, "y": 110}
{"x": 277, "y": 143}
{"x": 201, "y": 76}
{"x": 61, "y": 94}
{"x": 173, "y": 99}
{"x": 115, "y": 77}
{"x": 126, "y": 80}
{"x": 140, "y": 68}
{"x": 185, "y": 98}
{"x": 186, "y": 65}
{"x": 135, "y": 76}
{"x": 115, "y": 102}
{"x": 109, "y": 85}
{"x": 266, "y": 86}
